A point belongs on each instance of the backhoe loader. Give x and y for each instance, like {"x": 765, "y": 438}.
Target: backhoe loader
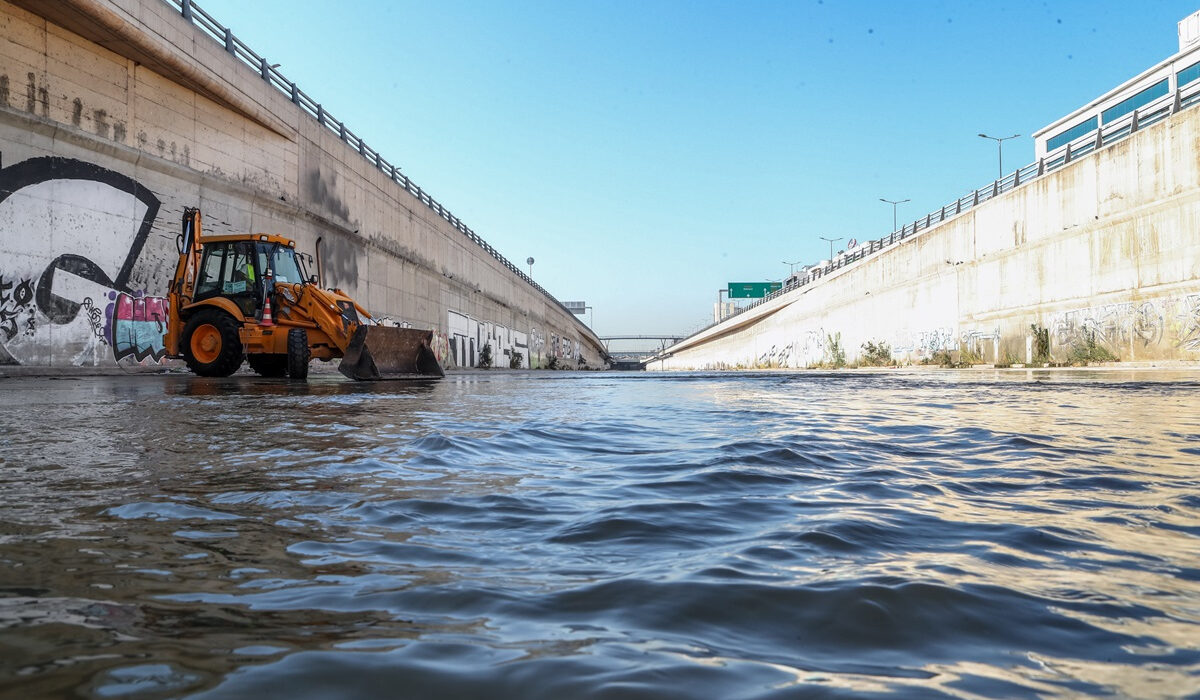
{"x": 248, "y": 296}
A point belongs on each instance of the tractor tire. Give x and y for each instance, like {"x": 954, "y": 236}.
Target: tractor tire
{"x": 298, "y": 354}
{"x": 268, "y": 365}
{"x": 211, "y": 344}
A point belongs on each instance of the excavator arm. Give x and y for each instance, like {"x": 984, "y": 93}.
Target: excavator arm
{"x": 183, "y": 284}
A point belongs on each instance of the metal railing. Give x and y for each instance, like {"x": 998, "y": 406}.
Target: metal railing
{"x": 270, "y": 73}
{"x": 1117, "y": 130}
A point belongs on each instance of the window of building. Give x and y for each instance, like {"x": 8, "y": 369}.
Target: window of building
{"x": 1141, "y": 99}
{"x": 1187, "y": 75}
{"x": 1071, "y": 134}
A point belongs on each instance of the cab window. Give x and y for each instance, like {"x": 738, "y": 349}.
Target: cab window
{"x": 209, "y": 281}
{"x": 282, "y": 262}
{"x": 228, "y": 270}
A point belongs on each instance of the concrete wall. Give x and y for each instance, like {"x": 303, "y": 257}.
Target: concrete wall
{"x": 1106, "y": 249}
{"x": 116, "y": 116}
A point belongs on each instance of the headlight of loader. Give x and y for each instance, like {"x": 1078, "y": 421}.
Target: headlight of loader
{"x": 286, "y": 293}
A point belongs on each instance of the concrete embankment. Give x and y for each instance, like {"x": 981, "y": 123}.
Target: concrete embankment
{"x": 1100, "y": 257}
{"x": 115, "y": 116}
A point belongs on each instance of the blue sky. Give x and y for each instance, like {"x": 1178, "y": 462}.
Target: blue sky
{"x": 647, "y": 153}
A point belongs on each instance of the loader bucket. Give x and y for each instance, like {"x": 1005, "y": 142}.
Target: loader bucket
{"x": 385, "y": 352}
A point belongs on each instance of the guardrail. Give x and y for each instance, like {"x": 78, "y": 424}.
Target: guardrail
{"x": 270, "y": 73}
{"x": 1119, "y": 129}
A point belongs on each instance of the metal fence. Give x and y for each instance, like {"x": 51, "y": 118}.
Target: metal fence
{"x": 1119, "y": 129}
{"x": 270, "y": 73}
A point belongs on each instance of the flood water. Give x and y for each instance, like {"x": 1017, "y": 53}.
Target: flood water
{"x": 602, "y": 535}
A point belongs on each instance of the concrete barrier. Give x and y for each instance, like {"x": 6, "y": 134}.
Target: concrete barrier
{"x": 115, "y": 116}
{"x": 1101, "y": 256}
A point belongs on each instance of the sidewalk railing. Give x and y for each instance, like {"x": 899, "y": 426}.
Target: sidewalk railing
{"x": 270, "y": 73}
{"x": 1137, "y": 120}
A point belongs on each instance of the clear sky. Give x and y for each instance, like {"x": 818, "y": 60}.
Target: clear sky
{"x": 646, "y": 153}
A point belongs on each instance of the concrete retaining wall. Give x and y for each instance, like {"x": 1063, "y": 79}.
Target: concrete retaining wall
{"x": 1105, "y": 250}
{"x": 115, "y": 116}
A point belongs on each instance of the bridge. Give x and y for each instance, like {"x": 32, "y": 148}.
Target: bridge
{"x": 634, "y": 359}
{"x": 665, "y": 341}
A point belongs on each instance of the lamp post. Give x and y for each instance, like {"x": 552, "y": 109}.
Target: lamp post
{"x": 831, "y": 242}
{"x": 791, "y": 266}
{"x": 999, "y": 148}
{"x": 894, "y": 203}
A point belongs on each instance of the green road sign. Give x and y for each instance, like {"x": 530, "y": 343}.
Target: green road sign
{"x": 752, "y": 290}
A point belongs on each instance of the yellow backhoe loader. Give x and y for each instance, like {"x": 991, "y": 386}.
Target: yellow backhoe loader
{"x": 249, "y": 297}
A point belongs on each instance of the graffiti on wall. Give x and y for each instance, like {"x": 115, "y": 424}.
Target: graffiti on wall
{"x": 812, "y": 347}
{"x": 136, "y": 326}
{"x": 440, "y": 344}
{"x": 925, "y": 342}
{"x": 537, "y": 344}
{"x": 1189, "y": 323}
{"x": 776, "y": 356}
{"x": 70, "y": 235}
{"x": 563, "y": 349}
{"x": 1115, "y": 326}
{"x": 467, "y": 336}
{"x": 16, "y": 303}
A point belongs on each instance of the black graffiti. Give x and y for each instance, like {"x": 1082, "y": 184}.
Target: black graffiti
{"x": 24, "y": 293}
{"x": 95, "y": 319}
{"x": 12, "y": 305}
{"x": 8, "y": 323}
{"x": 56, "y": 308}
{"x": 37, "y": 170}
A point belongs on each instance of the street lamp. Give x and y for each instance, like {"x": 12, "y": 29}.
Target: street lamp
{"x": 999, "y": 148}
{"x": 831, "y": 242}
{"x": 791, "y": 266}
{"x": 894, "y": 203}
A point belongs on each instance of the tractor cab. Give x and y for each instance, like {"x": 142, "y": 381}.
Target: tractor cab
{"x": 245, "y": 270}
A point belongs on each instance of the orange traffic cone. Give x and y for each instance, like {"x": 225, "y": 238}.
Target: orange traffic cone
{"x": 267, "y": 320}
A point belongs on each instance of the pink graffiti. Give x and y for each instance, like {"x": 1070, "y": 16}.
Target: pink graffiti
{"x": 137, "y": 325}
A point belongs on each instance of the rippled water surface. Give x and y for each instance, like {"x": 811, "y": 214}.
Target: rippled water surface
{"x": 554, "y": 535}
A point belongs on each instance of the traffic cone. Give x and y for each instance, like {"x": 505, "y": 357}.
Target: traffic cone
{"x": 267, "y": 320}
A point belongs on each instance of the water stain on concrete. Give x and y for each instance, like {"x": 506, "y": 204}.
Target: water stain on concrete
{"x": 339, "y": 259}
{"x": 30, "y": 92}
{"x": 324, "y": 194}
{"x": 100, "y": 119}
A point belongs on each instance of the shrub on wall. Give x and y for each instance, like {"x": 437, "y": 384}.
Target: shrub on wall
{"x": 1041, "y": 343}
{"x": 1088, "y": 350}
{"x": 876, "y": 354}
{"x": 835, "y": 354}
